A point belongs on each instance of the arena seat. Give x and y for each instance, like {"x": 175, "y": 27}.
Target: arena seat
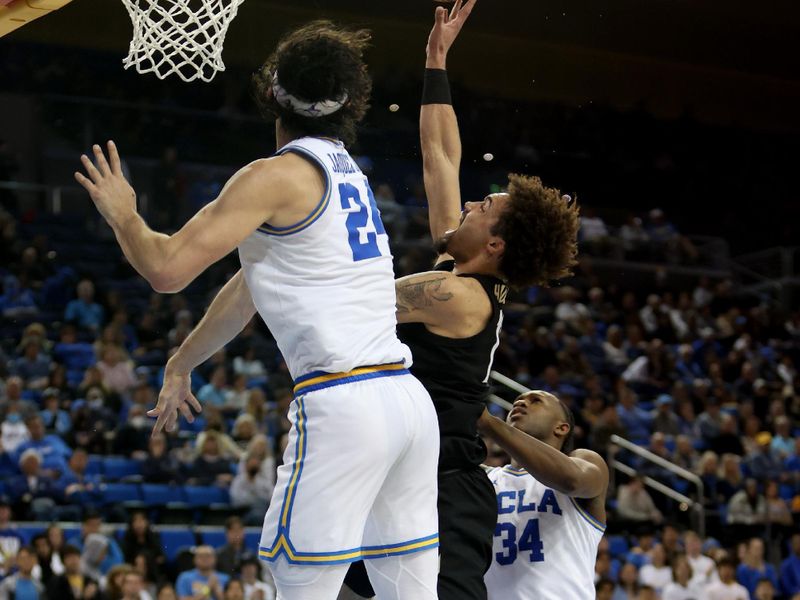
{"x": 120, "y": 493}
{"x": 200, "y": 496}
{"x": 618, "y": 545}
{"x": 117, "y": 467}
{"x": 215, "y": 538}
{"x": 161, "y": 494}
{"x": 95, "y": 465}
{"x": 174, "y": 540}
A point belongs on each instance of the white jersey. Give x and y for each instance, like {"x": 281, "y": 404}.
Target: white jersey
{"x": 325, "y": 285}
{"x": 545, "y": 544}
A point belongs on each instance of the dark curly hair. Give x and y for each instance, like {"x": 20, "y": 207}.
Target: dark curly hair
{"x": 319, "y": 61}
{"x": 540, "y": 230}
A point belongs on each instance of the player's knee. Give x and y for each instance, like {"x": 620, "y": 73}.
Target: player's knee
{"x": 291, "y": 576}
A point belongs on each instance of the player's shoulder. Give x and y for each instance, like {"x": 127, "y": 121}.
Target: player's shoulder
{"x": 589, "y": 456}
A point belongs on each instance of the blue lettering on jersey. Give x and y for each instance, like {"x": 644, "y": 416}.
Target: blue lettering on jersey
{"x": 341, "y": 163}
{"x": 549, "y": 499}
{"x": 514, "y": 501}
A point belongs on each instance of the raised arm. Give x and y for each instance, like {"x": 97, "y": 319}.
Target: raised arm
{"x": 230, "y": 311}
{"x": 582, "y": 474}
{"x": 439, "y": 137}
{"x": 170, "y": 262}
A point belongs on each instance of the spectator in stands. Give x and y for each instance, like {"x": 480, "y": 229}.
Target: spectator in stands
{"x": 244, "y": 429}
{"x": 76, "y": 486}
{"x": 249, "y": 365}
{"x": 52, "y": 450}
{"x": 665, "y": 420}
{"x": 790, "y": 569}
{"x": 765, "y": 590}
{"x": 114, "y": 579}
{"x": 727, "y": 441}
{"x": 116, "y": 369}
{"x": 44, "y": 556}
{"x": 22, "y": 585}
{"x": 33, "y": 366}
{"x": 131, "y": 438}
{"x": 685, "y": 455}
{"x": 210, "y": 467}
{"x": 17, "y": 300}
{"x": 635, "y": 420}
{"x": 635, "y": 504}
{"x": 141, "y": 539}
{"x": 167, "y": 592}
{"x": 682, "y": 586}
{"x": 754, "y": 568}
{"x": 731, "y": 480}
{"x": 84, "y": 311}
{"x": 143, "y": 566}
{"x": 782, "y": 445}
{"x": 604, "y": 589}
{"x": 160, "y": 466}
{"x": 704, "y": 570}
{"x": 763, "y": 463}
{"x": 213, "y": 393}
{"x": 254, "y": 588}
{"x": 252, "y": 489}
{"x": 10, "y": 539}
{"x": 633, "y": 235}
{"x": 104, "y": 552}
{"x": 73, "y": 584}
{"x": 628, "y": 586}
{"x": 234, "y": 590}
{"x": 237, "y": 396}
{"x": 33, "y": 492}
{"x": 55, "y": 419}
{"x": 657, "y": 574}
{"x": 602, "y": 566}
{"x": 709, "y": 421}
{"x": 55, "y": 535}
{"x": 133, "y": 587}
{"x": 230, "y": 556}
{"x": 726, "y": 588}
{"x": 614, "y": 348}
{"x": 569, "y": 309}
{"x": 216, "y": 427}
{"x": 747, "y": 506}
{"x": 202, "y": 581}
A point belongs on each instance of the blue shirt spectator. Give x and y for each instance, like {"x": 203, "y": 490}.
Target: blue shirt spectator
{"x": 33, "y": 366}
{"x": 753, "y": 568}
{"x": 92, "y": 524}
{"x": 214, "y": 391}
{"x": 635, "y": 420}
{"x": 203, "y": 581}
{"x": 84, "y": 311}
{"x": 790, "y": 569}
{"x": 16, "y": 301}
{"x": 52, "y": 449}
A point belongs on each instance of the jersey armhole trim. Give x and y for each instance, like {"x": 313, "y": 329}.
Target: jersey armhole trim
{"x": 318, "y": 209}
{"x": 594, "y": 522}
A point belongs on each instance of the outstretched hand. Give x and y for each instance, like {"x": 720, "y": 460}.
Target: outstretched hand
{"x": 175, "y": 396}
{"x": 110, "y": 191}
{"x": 445, "y": 31}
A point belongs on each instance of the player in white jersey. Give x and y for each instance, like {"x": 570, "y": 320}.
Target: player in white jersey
{"x": 550, "y": 504}
{"x": 359, "y": 473}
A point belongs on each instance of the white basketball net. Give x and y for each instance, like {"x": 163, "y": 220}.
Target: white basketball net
{"x": 184, "y": 37}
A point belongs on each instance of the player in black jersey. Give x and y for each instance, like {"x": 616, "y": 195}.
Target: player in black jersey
{"x": 451, "y": 317}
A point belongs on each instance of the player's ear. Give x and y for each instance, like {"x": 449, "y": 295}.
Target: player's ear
{"x": 562, "y": 429}
{"x": 495, "y": 247}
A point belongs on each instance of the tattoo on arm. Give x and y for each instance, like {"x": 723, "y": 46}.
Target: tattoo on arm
{"x": 422, "y": 294}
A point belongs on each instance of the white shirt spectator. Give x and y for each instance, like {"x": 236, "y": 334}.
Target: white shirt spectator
{"x": 251, "y": 591}
{"x": 571, "y": 311}
{"x": 704, "y": 570}
{"x": 593, "y": 228}
{"x": 656, "y": 577}
{"x": 12, "y": 434}
{"x": 675, "y": 591}
{"x": 726, "y": 591}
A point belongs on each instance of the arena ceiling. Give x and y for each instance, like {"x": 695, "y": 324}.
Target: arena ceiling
{"x": 729, "y": 62}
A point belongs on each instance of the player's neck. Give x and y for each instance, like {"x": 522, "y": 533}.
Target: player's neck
{"x": 475, "y": 267}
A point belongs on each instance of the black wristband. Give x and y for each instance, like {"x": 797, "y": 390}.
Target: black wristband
{"x": 436, "y": 87}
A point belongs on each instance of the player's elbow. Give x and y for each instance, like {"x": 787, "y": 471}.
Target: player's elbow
{"x": 166, "y": 281}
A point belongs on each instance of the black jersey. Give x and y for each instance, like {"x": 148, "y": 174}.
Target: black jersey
{"x": 455, "y": 371}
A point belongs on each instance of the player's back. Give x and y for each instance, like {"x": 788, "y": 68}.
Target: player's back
{"x": 325, "y": 285}
{"x": 545, "y": 543}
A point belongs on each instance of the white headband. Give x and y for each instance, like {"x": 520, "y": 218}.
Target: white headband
{"x": 320, "y": 108}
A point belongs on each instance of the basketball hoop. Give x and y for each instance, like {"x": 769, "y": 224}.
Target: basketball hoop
{"x": 184, "y": 37}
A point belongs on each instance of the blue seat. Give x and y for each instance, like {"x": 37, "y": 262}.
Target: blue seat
{"x": 252, "y": 541}
{"x": 28, "y": 531}
{"x": 113, "y": 493}
{"x": 215, "y": 538}
{"x": 173, "y": 540}
{"x": 205, "y": 495}
{"x": 95, "y": 465}
{"x": 618, "y": 545}
{"x": 161, "y": 494}
{"x": 117, "y": 467}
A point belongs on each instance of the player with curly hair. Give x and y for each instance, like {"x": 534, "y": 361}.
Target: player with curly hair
{"x": 451, "y": 317}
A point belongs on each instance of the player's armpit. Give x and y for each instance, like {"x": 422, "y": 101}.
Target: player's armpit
{"x": 592, "y": 474}
{"x": 248, "y": 199}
